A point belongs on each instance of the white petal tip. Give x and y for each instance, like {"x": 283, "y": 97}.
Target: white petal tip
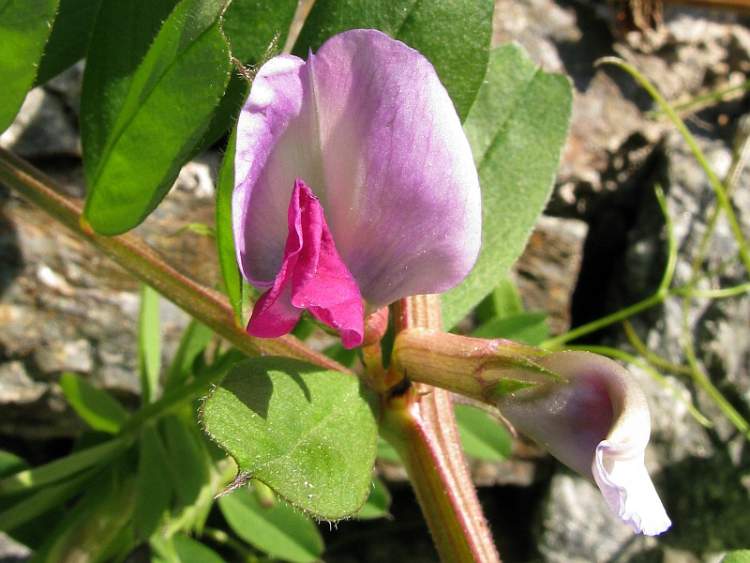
{"x": 623, "y": 480}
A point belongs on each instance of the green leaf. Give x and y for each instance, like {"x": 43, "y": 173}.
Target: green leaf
{"x": 187, "y": 460}
{"x": 224, "y": 234}
{"x": 378, "y": 503}
{"x": 453, "y": 34}
{"x": 97, "y": 408}
{"x": 227, "y": 112}
{"x": 90, "y": 530}
{"x": 153, "y": 485}
{"x": 153, "y": 124}
{"x": 10, "y": 463}
{"x": 194, "y": 340}
{"x": 24, "y": 28}
{"x": 530, "y": 328}
{"x": 279, "y": 530}
{"x": 61, "y": 468}
{"x": 504, "y": 301}
{"x": 307, "y": 433}
{"x": 516, "y": 127}
{"x": 189, "y": 550}
{"x": 70, "y": 37}
{"x": 122, "y": 35}
{"x": 386, "y": 452}
{"x": 42, "y": 501}
{"x": 739, "y": 556}
{"x": 252, "y": 27}
{"x": 149, "y": 344}
{"x": 481, "y": 436}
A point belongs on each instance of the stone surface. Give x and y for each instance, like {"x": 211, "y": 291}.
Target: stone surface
{"x": 65, "y": 307}
{"x": 547, "y": 271}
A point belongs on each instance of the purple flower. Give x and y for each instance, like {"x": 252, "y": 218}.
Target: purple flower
{"x": 597, "y": 423}
{"x": 353, "y": 181}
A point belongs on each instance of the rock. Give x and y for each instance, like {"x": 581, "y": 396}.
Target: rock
{"x": 547, "y": 271}
{"x": 577, "y": 526}
{"x": 65, "y": 307}
{"x": 11, "y": 551}
{"x": 42, "y": 128}
{"x": 16, "y": 387}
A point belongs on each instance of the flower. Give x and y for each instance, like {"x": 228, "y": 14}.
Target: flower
{"x": 597, "y": 422}
{"x": 353, "y": 181}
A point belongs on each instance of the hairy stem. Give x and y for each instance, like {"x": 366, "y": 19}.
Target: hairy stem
{"x": 421, "y": 425}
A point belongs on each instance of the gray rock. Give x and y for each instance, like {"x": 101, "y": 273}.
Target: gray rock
{"x": 577, "y": 527}
{"x": 547, "y": 271}
{"x": 42, "y": 128}
{"x": 12, "y": 551}
{"x": 65, "y": 307}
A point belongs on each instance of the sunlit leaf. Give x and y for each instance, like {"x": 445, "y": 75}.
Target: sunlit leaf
{"x": 481, "y": 436}
{"x": 96, "y": 407}
{"x": 24, "y": 28}
{"x": 138, "y": 132}
{"x": 279, "y": 530}
{"x": 224, "y": 235}
{"x": 516, "y": 127}
{"x": 453, "y": 34}
{"x": 308, "y": 433}
{"x": 530, "y": 328}
{"x": 149, "y": 344}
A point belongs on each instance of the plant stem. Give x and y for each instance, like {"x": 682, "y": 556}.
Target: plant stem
{"x": 130, "y": 252}
{"x": 421, "y": 426}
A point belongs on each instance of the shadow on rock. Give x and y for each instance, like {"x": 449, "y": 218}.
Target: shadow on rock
{"x": 11, "y": 261}
{"x": 708, "y": 502}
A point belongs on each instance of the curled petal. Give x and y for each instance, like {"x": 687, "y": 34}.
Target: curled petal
{"x": 368, "y": 125}
{"x": 312, "y": 276}
{"x": 597, "y": 422}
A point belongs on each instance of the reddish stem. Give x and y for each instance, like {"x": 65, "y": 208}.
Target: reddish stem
{"x": 421, "y": 426}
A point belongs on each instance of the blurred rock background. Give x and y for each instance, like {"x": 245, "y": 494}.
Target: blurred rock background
{"x": 599, "y": 246}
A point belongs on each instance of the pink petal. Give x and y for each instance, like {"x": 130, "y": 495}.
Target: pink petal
{"x": 367, "y": 123}
{"x": 312, "y": 276}
{"x": 598, "y": 424}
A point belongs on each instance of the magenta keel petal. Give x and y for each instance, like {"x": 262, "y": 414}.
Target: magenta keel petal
{"x": 312, "y": 276}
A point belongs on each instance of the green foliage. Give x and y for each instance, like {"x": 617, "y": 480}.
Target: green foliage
{"x": 252, "y": 27}
{"x": 278, "y": 530}
{"x": 224, "y": 233}
{"x": 61, "y": 468}
{"x": 138, "y": 132}
{"x": 377, "y": 504}
{"x": 153, "y": 484}
{"x": 97, "y": 408}
{"x": 183, "y": 549}
{"x": 308, "y": 433}
{"x": 70, "y": 37}
{"x": 739, "y": 556}
{"x": 516, "y": 128}
{"x": 481, "y": 436}
{"x": 41, "y": 501}
{"x": 149, "y": 344}
{"x": 187, "y": 461}
{"x": 453, "y": 34}
{"x": 24, "y": 28}
{"x": 194, "y": 340}
{"x": 529, "y": 328}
